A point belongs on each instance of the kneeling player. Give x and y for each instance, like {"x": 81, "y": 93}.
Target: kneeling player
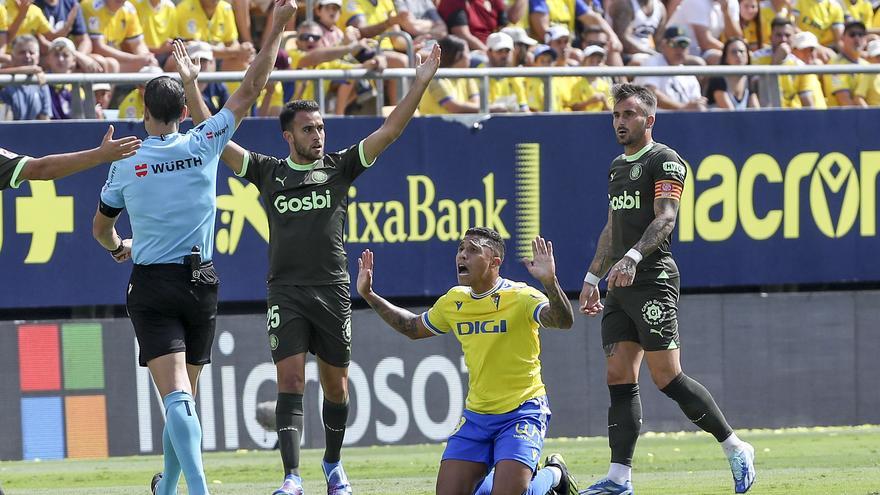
{"x": 496, "y": 321}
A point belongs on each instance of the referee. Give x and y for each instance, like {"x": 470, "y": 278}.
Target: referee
{"x": 306, "y": 195}
{"x": 169, "y": 190}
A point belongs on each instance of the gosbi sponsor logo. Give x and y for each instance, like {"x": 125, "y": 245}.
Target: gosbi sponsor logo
{"x": 625, "y": 201}
{"x": 313, "y": 201}
{"x": 829, "y": 187}
{"x": 63, "y": 406}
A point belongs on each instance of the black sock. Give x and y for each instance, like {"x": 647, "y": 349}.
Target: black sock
{"x": 289, "y": 420}
{"x": 624, "y": 422}
{"x": 698, "y": 405}
{"x": 335, "y": 416}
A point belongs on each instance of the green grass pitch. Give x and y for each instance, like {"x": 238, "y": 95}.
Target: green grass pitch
{"x": 826, "y": 461}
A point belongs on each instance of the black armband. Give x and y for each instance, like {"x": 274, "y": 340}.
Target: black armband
{"x": 108, "y": 211}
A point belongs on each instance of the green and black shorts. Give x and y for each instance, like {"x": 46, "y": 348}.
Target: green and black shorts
{"x": 645, "y": 312}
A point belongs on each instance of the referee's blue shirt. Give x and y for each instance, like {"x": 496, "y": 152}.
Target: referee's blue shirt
{"x": 170, "y": 191}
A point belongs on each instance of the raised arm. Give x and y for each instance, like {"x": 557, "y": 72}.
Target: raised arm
{"x": 404, "y": 321}
{"x": 258, "y": 73}
{"x": 394, "y": 125}
{"x": 624, "y": 271}
{"x": 52, "y": 167}
{"x": 542, "y": 266}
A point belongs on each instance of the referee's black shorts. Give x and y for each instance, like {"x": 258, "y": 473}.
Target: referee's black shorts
{"x": 170, "y": 313}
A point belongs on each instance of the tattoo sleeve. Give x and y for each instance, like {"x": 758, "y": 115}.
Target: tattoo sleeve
{"x": 404, "y": 321}
{"x": 602, "y": 261}
{"x": 665, "y": 211}
{"x": 557, "y": 314}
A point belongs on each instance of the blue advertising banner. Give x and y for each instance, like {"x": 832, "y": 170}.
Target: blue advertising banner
{"x": 771, "y": 198}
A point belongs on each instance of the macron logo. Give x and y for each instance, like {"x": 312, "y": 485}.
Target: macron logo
{"x": 141, "y": 170}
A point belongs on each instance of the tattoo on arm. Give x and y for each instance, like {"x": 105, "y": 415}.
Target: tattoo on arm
{"x": 602, "y": 261}
{"x": 665, "y": 211}
{"x": 400, "y": 319}
{"x": 557, "y": 314}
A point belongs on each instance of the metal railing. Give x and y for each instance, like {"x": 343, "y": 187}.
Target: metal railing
{"x": 766, "y": 73}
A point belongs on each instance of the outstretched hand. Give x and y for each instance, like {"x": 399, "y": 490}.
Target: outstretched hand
{"x": 117, "y": 149}
{"x": 188, "y": 70}
{"x": 542, "y": 266}
{"x": 425, "y": 69}
{"x": 365, "y": 273}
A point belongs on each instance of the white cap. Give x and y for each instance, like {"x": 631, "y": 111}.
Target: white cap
{"x": 59, "y": 43}
{"x": 200, "y": 49}
{"x": 330, "y": 2}
{"x": 873, "y": 49}
{"x": 556, "y": 32}
{"x": 804, "y": 39}
{"x": 594, "y": 50}
{"x": 101, "y": 86}
{"x": 499, "y": 41}
{"x": 150, "y": 69}
{"x": 519, "y": 35}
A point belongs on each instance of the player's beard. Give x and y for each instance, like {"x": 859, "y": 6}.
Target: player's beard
{"x": 631, "y": 136}
{"x": 308, "y": 152}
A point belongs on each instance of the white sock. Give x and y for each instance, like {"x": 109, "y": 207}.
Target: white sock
{"x": 731, "y": 444}
{"x": 557, "y": 475}
{"x": 619, "y": 473}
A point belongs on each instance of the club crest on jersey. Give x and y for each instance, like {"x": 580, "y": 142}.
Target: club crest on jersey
{"x": 635, "y": 171}
{"x": 652, "y": 311}
{"x": 319, "y": 176}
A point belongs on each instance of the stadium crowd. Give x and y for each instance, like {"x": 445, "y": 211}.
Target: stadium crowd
{"x": 104, "y": 36}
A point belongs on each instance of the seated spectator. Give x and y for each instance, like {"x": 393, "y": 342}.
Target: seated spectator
{"x": 5, "y": 58}
{"x": 707, "y": 22}
{"x": 544, "y": 13}
{"x": 561, "y": 86}
{"x": 159, "y": 22}
{"x": 825, "y": 19}
{"x": 102, "y": 92}
{"x": 473, "y": 21}
{"x": 673, "y": 92}
{"x": 802, "y": 90}
{"x": 559, "y": 39}
{"x": 116, "y": 32}
{"x": 848, "y": 90}
{"x": 871, "y": 96}
{"x": 421, "y": 20}
{"x": 733, "y": 92}
{"x": 507, "y": 92}
{"x": 66, "y": 104}
{"x": 591, "y": 94}
{"x": 327, "y": 14}
{"x": 213, "y": 21}
{"x": 132, "y": 106}
{"x": 445, "y": 96}
{"x": 638, "y": 25}
{"x": 858, "y": 10}
{"x": 61, "y": 12}
{"x": 750, "y": 23}
{"x": 769, "y": 10}
{"x": 522, "y": 45}
{"x": 27, "y": 101}
{"x": 215, "y": 94}
{"x": 805, "y": 48}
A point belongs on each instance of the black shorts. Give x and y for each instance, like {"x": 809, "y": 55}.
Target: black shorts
{"x": 313, "y": 318}
{"x": 645, "y": 312}
{"x": 170, "y": 313}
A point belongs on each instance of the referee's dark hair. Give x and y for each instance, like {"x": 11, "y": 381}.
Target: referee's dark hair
{"x": 645, "y": 97}
{"x": 291, "y": 109}
{"x": 495, "y": 241}
{"x": 164, "y": 98}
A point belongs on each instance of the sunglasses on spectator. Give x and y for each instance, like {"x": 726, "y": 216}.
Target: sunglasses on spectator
{"x": 309, "y": 37}
{"x": 856, "y": 34}
{"x": 678, "y": 44}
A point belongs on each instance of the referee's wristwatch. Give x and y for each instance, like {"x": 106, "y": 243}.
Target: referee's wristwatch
{"x": 117, "y": 251}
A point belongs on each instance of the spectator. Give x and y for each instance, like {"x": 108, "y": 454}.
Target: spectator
{"x": 213, "y": 21}
{"x": 858, "y": 10}
{"x": 102, "y": 94}
{"x": 559, "y": 39}
{"x": 872, "y": 82}
{"x": 116, "y": 32}
{"x": 591, "y": 94}
{"x": 848, "y": 90}
{"x": 421, "y": 20}
{"x": 638, "y": 24}
{"x": 798, "y": 91}
{"x": 522, "y": 44}
{"x": 215, "y": 94}
{"x": 445, "y": 96}
{"x": 750, "y": 23}
{"x": 159, "y": 22}
{"x": 561, "y": 86}
{"x": 60, "y": 60}
{"x": 27, "y": 101}
{"x": 544, "y": 13}
{"x": 132, "y": 106}
{"x": 673, "y": 92}
{"x": 805, "y": 46}
{"x": 372, "y": 18}
{"x": 708, "y": 22}
{"x": 824, "y": 18}
{"x": 327, "y": 14}
{"x": 733, "y": 92}
{"x": 61, "y": 12}
{"x": 769, "y": 10}
{"x": 5, "y": 58}
{"x": 473, "y": 21}
{"x": 508, "y": 92}
{"x": 27, "y": 20}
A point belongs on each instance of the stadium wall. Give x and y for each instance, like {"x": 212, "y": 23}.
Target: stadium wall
{"x": 772, "y": 197}
{"x": 73, "y": 389}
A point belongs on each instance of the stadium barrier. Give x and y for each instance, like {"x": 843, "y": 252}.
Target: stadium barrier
{"x": 74, "y": 390}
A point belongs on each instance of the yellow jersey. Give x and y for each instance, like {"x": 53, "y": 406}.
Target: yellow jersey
{"x": 373, "y": 14}
{"x": 871, "y": 89}
{"x": 561, "y": 93}
{"x": 159, "y": 23}
{"x": 876, "y": 21}
{"x": 132, "y": 106}
{"x": 791, "y": 87}
{"x": 306, "y": 90}
{"x": 562, "y": 12}
{"x": 817, "y": 17}
{"x": 766, "y": 14}
{"x": 838, "y": 82}
{"x": 116, "y": 27}
{"x": 860, "y": 11}
{"x": 442, "y": 90}
{"x": 277, "y": 96}
{"x": 34, "y": 22}
{"x": 584, "y": 89}
{"x": 498, "y": 332}
{"x": 193, "y": 22}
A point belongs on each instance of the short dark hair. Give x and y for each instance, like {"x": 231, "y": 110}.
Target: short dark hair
{"x": 780, "y": 21}
{"x": 646, "y": 98}
{"x": 493, "y": 238}
{"x": 164, "y": 98}
{"x": 291, "y": 109}
{"x": 450, "y": 47}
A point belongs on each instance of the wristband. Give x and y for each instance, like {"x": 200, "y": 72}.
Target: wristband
{"x": 592, "y": 279}
{"x": 634, "y": 254}
{"x": 114, "y": 252}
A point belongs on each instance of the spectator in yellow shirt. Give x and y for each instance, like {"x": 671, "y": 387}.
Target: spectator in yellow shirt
{"x": 445, "y": 96}
{"x": 844, "y": 90}
{"x": 508, "y": 92}
{"x": 132, "y": 106}
{"x": 769, "y": 10}
{"x": 750, "y": 23}
{"x": 5, "y": 58}
{"x": 213, "y": 21}
{"x": 159, "y": 21}
{"x": 116, "y": 32}
{"x": 591, "y": 94}
{"x": 825, "y": 19}
{"x": 872, "y": 82}
{"x": 859, "y": 10}
{"x": 561, "y": 86}
{"x": 798, "y": 91}
{"x": 804, "y": 47}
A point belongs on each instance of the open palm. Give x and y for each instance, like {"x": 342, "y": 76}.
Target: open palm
{"x": 425, "y": 69}
{"x": 188, "y": 70}
{"x": 542, "y": 265}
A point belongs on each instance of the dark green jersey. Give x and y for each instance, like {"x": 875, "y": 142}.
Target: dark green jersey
{"x": 634, "y": 181}
{"x": 10, "y": 168}
{"x": 306, "y": 206}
